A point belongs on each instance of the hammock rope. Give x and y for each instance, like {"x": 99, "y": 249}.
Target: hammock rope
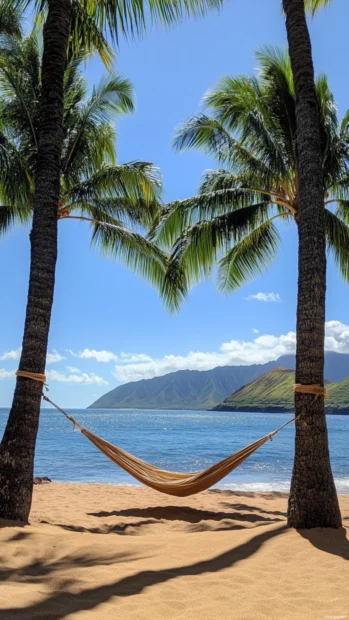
{"x": 169, "y": 482}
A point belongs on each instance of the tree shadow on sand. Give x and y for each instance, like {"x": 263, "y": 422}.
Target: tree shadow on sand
{"x": 188, "y": 514}
{"x": 63, "y": 602}
{"x": 46, "y": 565}
{"x": 334, "y": 542}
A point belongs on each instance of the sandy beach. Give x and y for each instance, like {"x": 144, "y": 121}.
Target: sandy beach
{"x": 99, "y": 552}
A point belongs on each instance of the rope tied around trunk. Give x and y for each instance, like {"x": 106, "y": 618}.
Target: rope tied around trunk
{"x": 41, "y": 378}
{"x": 317, "y": 390}
{"x": 35, "y": 376}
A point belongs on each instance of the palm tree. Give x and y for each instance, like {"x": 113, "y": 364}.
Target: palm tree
{"x": 252, "y": 131}
{"x": 313, "y": 500}
{"x": 92, "y": 188}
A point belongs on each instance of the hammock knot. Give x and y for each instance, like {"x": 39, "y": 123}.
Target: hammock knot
{"x": 318, "y": 391}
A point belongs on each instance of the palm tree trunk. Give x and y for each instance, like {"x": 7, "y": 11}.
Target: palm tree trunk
{"x": 18, "y": 444}
{"x": 313, "y": 500}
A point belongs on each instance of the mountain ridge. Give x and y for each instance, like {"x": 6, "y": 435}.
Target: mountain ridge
{"x": 203, "y": 389}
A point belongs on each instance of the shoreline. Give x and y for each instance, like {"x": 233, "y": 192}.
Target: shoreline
{"x": 244, "y": 488}
{"x": 96, "y": 552}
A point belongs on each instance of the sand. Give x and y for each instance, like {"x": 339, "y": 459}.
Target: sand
{"x": 104, "y": 552}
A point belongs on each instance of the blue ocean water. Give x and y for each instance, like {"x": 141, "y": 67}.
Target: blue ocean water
{"x": 178, "y": 441}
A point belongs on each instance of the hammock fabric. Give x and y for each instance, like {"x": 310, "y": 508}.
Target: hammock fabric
{"x": 168, "y": 482}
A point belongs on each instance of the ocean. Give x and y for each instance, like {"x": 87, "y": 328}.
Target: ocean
{"x": 178, "y": 441}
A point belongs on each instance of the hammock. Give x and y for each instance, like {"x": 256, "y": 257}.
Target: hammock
{"x": 169, "y": 482}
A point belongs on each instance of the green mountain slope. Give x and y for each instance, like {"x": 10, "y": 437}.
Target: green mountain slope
{"x": 273, "y": 392}
{"x": 338, "y": 397}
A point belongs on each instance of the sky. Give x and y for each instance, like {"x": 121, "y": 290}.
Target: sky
{"x": 110, "y": 327}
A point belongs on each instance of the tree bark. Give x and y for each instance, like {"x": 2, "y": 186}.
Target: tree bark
{"x": 18, "y": 444}
{"x": 313, "y": 499}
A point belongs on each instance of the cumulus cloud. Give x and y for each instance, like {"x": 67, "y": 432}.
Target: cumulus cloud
{"x": 255, "y": 331}
{"x": 98, "y": 356}
{"x": 54, "y": 357}
{"x": 262, "y": 349}
{"x": 6, "y": 374}
{"x": 15, "y": 354}
{"x": 134, "y": 357}
{"x": 73, "y": 369}
{"x": 264, "y": 297}
{"x": 83, "y": 377}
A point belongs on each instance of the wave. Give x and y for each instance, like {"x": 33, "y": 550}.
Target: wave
{"x": 282, "y": 486}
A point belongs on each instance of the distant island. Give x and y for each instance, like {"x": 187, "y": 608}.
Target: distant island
{"x": 273, "y": 393}
{"x": 200, "y": 390}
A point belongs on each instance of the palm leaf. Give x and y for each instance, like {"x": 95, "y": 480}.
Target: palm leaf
{"x": 9, "y": 216}
{"x": 139, "y": 254}
{"x": 10, "y": 19}
{"x": 199, "y": 246}
{"x": 113, "y": 95}
{"x": 337, "y": 237}
{"x": 136, "y": 180}
{"x": 177, "y": 216}
{"x": 316, "y": 5}
{"x": 248, "y": 258}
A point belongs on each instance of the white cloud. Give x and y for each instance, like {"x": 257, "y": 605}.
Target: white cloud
{"x": 260, "y": 350}
{"x": 15, "y": 354}
{"x": 135, "y": 357}
{"x": 84, "y": 377}
{"x": 98, "y": 356}
{"x": 255, "y": 331}
{"x": 6, "y": 374}
{"x": 337, "y": 337}
{"x": 73, "y": 369}
{"x": 264, "y": 297}
{"x": 54, "y": 357}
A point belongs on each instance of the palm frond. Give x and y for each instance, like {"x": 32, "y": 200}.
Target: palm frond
{"x": 210, "y": 136}
{"x": 177, "y": 216}
{"x": 206, "y": 134}
{"x": 136, "y": 252}
{"x": 315, "y": 5}
{"x": 9, "y": 216}
{"x": 129, "y": 19}
{"x": 248, "y": 258}
{"x": 233, "y": 99}
{"x": 126, "y": 211}
{"x": 86, "y": 37}
{"x": 200, "y": 245}
{"x": 10, "y": 19}
{"x": 135, "y": 180}
{"x": 342, "y": 210}
{"x": 113, "y": 95}
{"x": 337, "y": 237}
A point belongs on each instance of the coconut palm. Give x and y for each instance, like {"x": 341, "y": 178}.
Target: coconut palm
{"x": 250, "y": 128}
{"x": 313, "y": 501}
{"x": 116, "y": 200}
{"x": 94, "y": 189}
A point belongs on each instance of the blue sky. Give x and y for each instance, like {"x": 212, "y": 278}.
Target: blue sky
{"x": 110, "y": 327}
